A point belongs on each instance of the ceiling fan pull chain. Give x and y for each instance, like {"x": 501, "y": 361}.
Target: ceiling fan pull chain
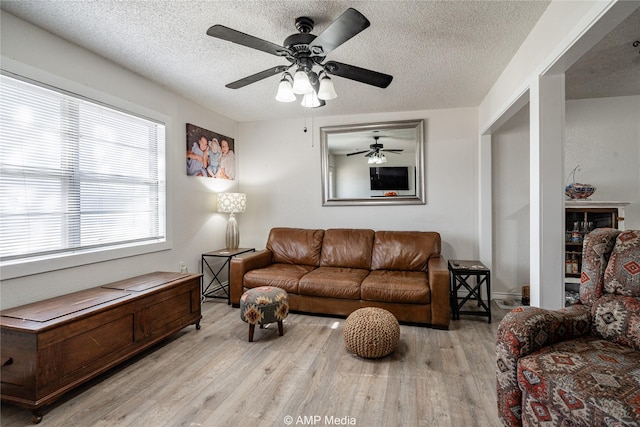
{"x": 312, "y": 124}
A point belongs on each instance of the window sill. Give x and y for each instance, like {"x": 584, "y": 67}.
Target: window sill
{"x": 27, "y": 268}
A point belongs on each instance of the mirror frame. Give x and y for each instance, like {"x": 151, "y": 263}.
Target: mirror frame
{"x": 420, "y": 196}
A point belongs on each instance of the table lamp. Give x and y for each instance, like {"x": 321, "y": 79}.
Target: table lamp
{"x": 232, "y": 203}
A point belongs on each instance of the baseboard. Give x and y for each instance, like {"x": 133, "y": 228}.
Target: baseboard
{"x": 503, "y": 295}
{"x": 507, "y": 301}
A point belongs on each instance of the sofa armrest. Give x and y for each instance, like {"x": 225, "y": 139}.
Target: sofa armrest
{"x": 523, "y": 331}
{"x": 438, "y": 274}
{"x": 240, "y": 265}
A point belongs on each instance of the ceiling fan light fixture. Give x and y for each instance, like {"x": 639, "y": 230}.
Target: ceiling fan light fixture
{"x": 372, "y": 160}
{"x": 327, "y": 91}
{"x": 285, "y": 90}
{"x": 310, "y": 100}
{"x": 301, "y": 84}
{"x": 382, "y": 159}
{"x": 305, "y": 51}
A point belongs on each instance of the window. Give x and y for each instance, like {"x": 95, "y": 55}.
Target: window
{"x": 76, "y": 176}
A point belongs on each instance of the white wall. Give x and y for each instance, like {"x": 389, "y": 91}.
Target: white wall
{"x": 280, "y": 166}
{"x": 510, "y": 188}
{"x": 196, "y": 228}
{"x": 602, "y": 135}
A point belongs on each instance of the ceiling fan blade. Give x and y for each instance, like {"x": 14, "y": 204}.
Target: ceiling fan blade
{"x": 347, "y": 25}
{"x": 257, "y": 77}
{"x": 393, "y": 150}
{"x": 357, "y": 152}
{"x": 358, "y": 74}
{"x": 235, "y": 36}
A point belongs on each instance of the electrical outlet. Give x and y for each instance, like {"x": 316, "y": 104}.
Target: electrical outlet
{"x": 183, "y": 267}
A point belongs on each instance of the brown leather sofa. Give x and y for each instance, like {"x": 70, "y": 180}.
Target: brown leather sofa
{"x": 338, "y": 271}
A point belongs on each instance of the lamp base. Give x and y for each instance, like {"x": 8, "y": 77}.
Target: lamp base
{"x": 232, "y": 238}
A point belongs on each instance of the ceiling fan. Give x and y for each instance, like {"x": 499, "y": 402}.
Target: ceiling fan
{"x": 305, "y": 51}
{"x": 375, "y": 149}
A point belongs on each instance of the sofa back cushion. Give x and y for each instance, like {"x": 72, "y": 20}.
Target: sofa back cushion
{"x": 295, "y": 245}
{"x": 617, "y": 318}
{"x": 404, "y": 250}
{"x": 347, "y": 248}
{"x": 622, "y": 276}
{"x": 596, "y": 251}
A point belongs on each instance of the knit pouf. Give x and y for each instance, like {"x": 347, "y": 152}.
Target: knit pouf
{"x": 262, "y": 305}
{"x": 371, "y": 332}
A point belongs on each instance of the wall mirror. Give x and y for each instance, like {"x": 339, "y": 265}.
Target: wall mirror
{"x": 373, "y": 164}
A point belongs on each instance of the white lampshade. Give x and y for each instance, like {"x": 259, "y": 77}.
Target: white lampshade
{"x": 285, "y": 91}
{"x": 326, "y": 91}
{"x": 301, "y": 84}
{"x": 372, "y": 160}
{"x": 382, "y": 158}
{"x": 232, "y": 202}
{"x": 310, "y": 100}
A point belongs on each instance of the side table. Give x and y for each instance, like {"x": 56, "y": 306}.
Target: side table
{"x": 216, "y": 284}
{"x": 461, "y": 272}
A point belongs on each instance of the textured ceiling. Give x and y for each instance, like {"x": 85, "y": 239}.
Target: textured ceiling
{"x": 442, "y": 54}
{"x": 611, "y": 67}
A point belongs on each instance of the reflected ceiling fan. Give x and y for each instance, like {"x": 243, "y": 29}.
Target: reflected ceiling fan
{"x": 375, "y": 150}
{"x": 305, "y": 52}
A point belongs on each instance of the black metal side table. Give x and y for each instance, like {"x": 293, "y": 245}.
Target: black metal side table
{"x": 461, "y": 272}
{"x": 216, "y": 284}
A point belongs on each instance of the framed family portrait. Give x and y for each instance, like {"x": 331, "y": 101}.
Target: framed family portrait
{"x": 210, "y": 154}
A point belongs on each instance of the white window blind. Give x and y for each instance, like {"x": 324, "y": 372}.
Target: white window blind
{"x": 75, "y": 175}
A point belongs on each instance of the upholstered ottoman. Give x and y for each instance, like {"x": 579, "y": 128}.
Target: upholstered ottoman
{"x": 263, "y": 305}
{"x": 371, "y": 332}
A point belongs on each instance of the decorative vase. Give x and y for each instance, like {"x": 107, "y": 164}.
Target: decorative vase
{"x": 232, "y": 238}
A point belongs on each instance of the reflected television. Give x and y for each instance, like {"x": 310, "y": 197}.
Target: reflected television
{"x": 389, "y": 178}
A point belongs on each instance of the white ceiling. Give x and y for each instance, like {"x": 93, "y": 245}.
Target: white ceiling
{"x": 442, "y": 54}
{"x": 611, "y": 67}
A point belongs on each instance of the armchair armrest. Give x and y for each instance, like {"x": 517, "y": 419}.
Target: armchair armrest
{"x": 240, "y": 265}
{"x": 523, "y": 331}
{"x": 438, "y": 275}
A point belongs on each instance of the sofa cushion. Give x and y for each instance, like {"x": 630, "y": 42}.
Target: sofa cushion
{"x": 404, "y": 250}
{"x": 347, "y": 248}
{"x": 295, "y": 245}
{"x": 333, "y": 282}
{"x": 284, "y": 276}
{"x": 617, "y": 319}
{"x": 622, "y": 275}
{"x": 396, "y": 286}
{"x": 537, "y": 413}
{"x": 587, "y": 380}
{"x": 596, "y": 252}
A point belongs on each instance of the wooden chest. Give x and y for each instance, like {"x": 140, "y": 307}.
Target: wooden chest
{"x": 50, "y": 347}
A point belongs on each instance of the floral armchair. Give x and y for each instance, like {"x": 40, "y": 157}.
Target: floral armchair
{"x": 578, "y": 366}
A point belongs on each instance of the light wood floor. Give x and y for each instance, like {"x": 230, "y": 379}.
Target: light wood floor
{"x": 214, "y": 377}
